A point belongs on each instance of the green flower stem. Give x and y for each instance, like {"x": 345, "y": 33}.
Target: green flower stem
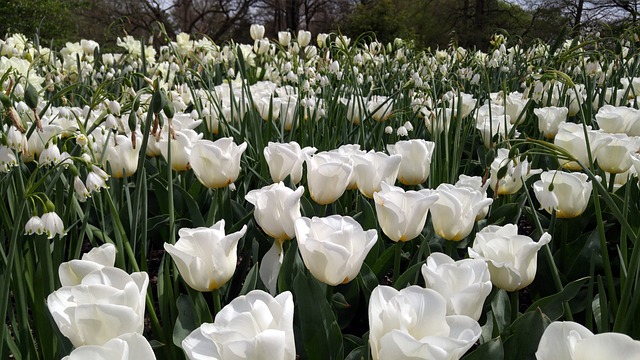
{"x": 217, "y": 305}
{"x": 612, "y": 182}
{"x": 613, "y": 296}
{"x": 555, "y": 274}
{"x": 396, "y": 261}
{"x": 514, "y": 298}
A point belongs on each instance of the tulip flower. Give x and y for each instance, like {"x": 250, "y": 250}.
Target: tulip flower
{"x": 380, "y": 107}
{"x": 216, "y": 163}
{"x": 286, "y": 160}
{"x": 253, "y": 326}
{"x": 614, "y": 155}
{"x": 130, "y": 346}
{"x": 475, "y": 183}
{"x": 402, "y": 214}
{"x": 512, "y": 258}
{"x": 566, "y": 193}
{"x": 465, "y": 284}
{"x": 206, "y": 257}
{"x": 72, "y": 272}
{"x": 107, "y": 303}
{"x": 180, "y": 147}
{"x": 549, "y": 118}
{"x": 256, "y": 31}
{"x": 276, "y": 208}
{"x": 333, "y": 248}
{"x": 412, "y": 324}
{"x": 619, "y": 119}
{"x": 373, "y": 168}
{"x": 328, "y": 175}
{"x": 304, "y": 38}
{"x": 122, "y": 156}
{"x": 571, "y": 137}
{"x": 284, "y": 38}
{"x": 455, "y": 212}
{"x": 517, "y": 171}
{"x": 567, "y": 340}
{"x": 415, "y": 165}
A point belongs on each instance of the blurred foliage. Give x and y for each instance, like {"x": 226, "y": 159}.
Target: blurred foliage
{"x": 50, "y": 20}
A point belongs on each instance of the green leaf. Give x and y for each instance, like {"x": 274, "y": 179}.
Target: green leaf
{"x": 501, "y": 308}
{"x": 195, "y": 214}
{"x": 291, "y": 265}
{"x": 409, "y": 277}
{"x": 366, "y": 217}
{"x": 551, "y": 305}
{"x": 186, "y": 321}
{"x": 250, "y": 281}
{"x": 320, "y": 332}
{"x": 367, "y": 281}
{"x": 523, "y": 336}
{"x": 491, "y": 349}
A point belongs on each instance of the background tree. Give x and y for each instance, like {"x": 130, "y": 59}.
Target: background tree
{"x": 51, "y": 20}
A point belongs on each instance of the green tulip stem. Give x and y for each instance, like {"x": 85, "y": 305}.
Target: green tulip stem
{"x": 612, "y": 182}
{"x": 555, "y": 274}
{"x": 514, "y": 296}
{"x": 606, "y": 264}
{"x": 451, "y": 247}
{"x": 396, "y": 261}
{"x": 172, "y": 215}
{"x": 217, "y": 305}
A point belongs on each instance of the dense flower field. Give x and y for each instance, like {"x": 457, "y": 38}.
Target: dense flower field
{"x": 320, "y": 198}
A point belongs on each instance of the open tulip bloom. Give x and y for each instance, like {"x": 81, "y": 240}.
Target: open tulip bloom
{"x": 206, "y": 257}
{"x": 567, "y": 340}
{"x": 254, "y": 326}
{"x": 415, "y": 165}
{"x": 107, "y": 303}
{"x": 72, "y": 272}
{"x": 328, "y": 175}
{"x": 455, "y": 212}
{"x": 512, "y": 258}
{"x": 132, "y": 346}
{"x": 465, "y": 284}
{"x": 402, "y": 214}
{"x": 286, "y": 160}
{"x": 412, "y": 324}
{"x": 566, "y": 193}
{"x": 216, "y": 163}
{"x": 333, "y": 248}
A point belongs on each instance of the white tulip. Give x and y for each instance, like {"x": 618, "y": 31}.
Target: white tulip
{"x": 333, "y": 248}
{"x": 402, "y": 214}
{"x": 456, "y": 210}
{"x": 276, "y": 208}
{"x": 286, "y": 159}
{"x": 328, "y": 175}
{"x": 254, "y": 326}
{"x": 216, "y": 163}
{"x": 412, "y": 324}
{"x": 373, "y": 168}
{"x": 567, "y": 340}
{"x": 206, "y": 257}
{"x": 72, "y": 272}
{"x": 415, "y": 165}
{"x": 107, "y": 303}
{"x": 465, "y": 284}
{"x": 130, "y": 346}
{"x": 512, "y": 258}
{"x": 566, "y": 193}
{"x": 549, "y": 118}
